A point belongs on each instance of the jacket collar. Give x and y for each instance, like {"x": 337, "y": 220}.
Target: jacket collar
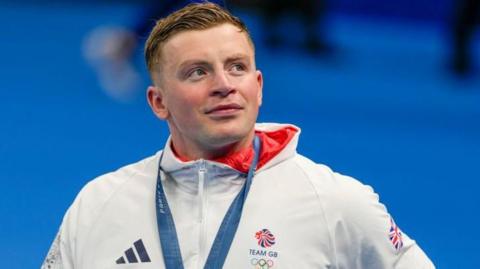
{"x": 279, "y": 142}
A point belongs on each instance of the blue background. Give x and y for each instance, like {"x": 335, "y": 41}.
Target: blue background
{"x": 383, "y": 109}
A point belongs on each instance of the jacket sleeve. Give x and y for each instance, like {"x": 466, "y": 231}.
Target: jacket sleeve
{"x": 72, "y": 241}
{"x": 60, "y": 255}
{"x": 364, "y": 233}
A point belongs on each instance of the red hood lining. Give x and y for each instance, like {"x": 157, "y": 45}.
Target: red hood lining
{"x": 271, "y": 144}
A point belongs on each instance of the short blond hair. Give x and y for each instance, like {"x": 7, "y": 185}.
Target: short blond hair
{"x": 195, "y": 16}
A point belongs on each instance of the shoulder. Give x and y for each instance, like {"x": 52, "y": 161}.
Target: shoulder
{"x": 109, "y": 183}
{"x": 343, "y": 197}
{"x": 323, "y": 178}
{"x": 92, "y": 201}
{"x": 358, "y": 224}
{"x": 99, "y": 191}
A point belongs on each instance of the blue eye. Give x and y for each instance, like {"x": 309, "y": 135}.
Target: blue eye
{"x": 196, "y": 73}
{"x": 238, "y": 68}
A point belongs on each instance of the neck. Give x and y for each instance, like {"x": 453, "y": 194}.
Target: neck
{"x": 193, "y": 151}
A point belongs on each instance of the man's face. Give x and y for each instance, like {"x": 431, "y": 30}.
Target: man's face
{"x": 209, "y": 88}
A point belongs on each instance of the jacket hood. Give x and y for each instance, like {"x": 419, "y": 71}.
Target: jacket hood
{"x": 279, "y": 142}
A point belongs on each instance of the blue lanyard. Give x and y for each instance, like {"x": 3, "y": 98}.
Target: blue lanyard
{"x": 218, "y": 253}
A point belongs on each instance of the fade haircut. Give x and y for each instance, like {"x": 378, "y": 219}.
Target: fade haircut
{"x": 195, "y": 16}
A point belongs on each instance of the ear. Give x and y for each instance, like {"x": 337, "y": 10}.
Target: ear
{"x": 157, "y": 102}
{"x": 260, "y": 87}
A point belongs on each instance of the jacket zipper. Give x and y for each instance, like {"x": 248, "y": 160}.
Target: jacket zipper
{"x": 202, "y": 189}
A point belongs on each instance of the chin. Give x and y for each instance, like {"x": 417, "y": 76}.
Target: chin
{"x": 224, "y": 136}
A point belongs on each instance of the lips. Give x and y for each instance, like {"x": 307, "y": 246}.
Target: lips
{"x": 224, "y": 108}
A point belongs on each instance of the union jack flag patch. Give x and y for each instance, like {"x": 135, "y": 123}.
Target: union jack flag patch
{"x": 395, "y": 235}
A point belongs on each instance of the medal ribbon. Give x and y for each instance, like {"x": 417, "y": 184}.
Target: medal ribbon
{"x": 223, "y": 240}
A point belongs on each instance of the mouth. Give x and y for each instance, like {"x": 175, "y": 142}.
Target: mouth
{"x": 225, "y": 110}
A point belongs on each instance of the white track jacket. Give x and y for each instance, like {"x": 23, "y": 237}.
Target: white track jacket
{"x": 298, "y": 214}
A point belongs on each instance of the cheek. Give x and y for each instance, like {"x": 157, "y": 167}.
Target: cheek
{"x": 183, "y": 103}
{"x": 253, "y": 92}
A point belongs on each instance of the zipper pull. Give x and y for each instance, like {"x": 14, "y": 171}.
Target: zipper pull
{"x": 202, "y": 166}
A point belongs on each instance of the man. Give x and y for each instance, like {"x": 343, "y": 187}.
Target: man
{"x": 224, "y": 192}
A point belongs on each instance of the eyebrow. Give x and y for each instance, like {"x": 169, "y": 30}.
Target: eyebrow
{"x": 193, "y": 62}
{"x": 237, "y": 57}
{"x": 232, "y": 58}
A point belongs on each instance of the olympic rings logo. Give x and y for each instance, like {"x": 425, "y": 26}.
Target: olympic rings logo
{"x": 262, "y": 263}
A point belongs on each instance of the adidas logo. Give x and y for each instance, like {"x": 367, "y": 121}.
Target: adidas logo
{"x": 134, "y": 253}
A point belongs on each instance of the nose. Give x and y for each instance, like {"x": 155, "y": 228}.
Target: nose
{"x": 222, "y": 85}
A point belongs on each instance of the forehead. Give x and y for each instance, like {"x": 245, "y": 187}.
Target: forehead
{"x": 219, "y": 40}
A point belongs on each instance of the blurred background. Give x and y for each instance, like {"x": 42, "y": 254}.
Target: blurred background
{"x": 385, "y": 91}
